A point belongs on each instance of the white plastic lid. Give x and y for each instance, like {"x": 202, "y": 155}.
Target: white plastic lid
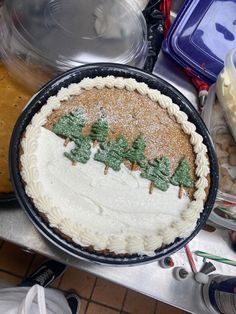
{"x": 69, "y": 33}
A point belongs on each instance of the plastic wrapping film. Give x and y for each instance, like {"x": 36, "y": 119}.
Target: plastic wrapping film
{"x": 155, "y": 32}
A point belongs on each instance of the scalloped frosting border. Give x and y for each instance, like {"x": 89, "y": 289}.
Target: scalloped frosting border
{"x": 80, "y": 234}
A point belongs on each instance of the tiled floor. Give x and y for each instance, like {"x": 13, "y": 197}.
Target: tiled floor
{"x": 98, "y": 296}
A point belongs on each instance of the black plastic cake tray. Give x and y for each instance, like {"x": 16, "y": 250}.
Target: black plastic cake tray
{"x": 74, "y": 76}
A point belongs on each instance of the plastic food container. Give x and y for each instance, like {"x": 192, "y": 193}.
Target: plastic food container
{"x": 201, "y": 35}
{"x": 226, "y": 90}
{"x": 225, "y": 146}
{"x": 224, "y": 214}
{"x": 41, "y": 38}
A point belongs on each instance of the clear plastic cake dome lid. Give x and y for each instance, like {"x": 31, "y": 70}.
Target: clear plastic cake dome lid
{"x": 74, "y": 32}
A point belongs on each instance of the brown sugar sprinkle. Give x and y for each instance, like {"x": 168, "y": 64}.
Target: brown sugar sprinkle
{"x": 131, "y": 114}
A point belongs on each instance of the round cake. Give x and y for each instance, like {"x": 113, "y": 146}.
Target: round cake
{"x": 115, "y": 166}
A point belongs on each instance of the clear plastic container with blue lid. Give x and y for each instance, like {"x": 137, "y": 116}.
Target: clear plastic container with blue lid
{"x": 201, "y": 35}
{"x": 41, "y": 38}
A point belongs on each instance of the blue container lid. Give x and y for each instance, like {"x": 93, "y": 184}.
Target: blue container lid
{"x": 201, "y": 35}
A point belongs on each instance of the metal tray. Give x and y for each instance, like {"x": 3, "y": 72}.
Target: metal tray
{"x": 73, "y": 76}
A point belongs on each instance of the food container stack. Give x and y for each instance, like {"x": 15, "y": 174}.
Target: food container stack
{"x": 225, "y": 136}
{"x": 220, "y": 117}
{"x": 226, "y": 90}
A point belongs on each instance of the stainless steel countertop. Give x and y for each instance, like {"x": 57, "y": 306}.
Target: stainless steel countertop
{"x": 148, "y": 279}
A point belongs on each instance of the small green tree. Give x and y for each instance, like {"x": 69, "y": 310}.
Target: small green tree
{"x": 136, "y": 153}
{"x": 182, "y": 177}
{"x": 158, "y": 172}
{"x": 81, "y": 152}
{"x": 112, "y": 153}
{"x": 99, "y": 131}
{"x": 70, "y": 125}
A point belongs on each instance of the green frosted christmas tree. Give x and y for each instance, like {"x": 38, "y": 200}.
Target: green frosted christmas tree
{"x": 99, "y": 130}
{"x": 81, "y": 152}
{"x": 70, "y": 125}
{"x": 158, "y": 172}
{"x": 112, "y": 153}
{"x": 136, "y": 153}
{"x": 182, "y": 177}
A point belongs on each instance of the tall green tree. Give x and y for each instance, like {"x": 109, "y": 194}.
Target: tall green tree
{"x": 99, "y": 130}
{"x": 136, "y": 153}
{"x": 70, "y": 125}
{"x": 112, "y": 153}
{"x": 182, "y": 177}
{"x": 81, "y": 152}
{"x": 158, "y": 172}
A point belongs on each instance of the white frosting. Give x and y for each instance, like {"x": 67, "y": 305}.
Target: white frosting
{"x": 118, "y": 203}
{"x": 115, "y": 211}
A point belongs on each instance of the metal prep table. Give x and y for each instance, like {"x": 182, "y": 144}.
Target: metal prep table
{"x": 148, "y": 279}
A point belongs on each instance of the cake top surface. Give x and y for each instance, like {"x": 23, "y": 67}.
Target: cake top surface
{"x": 130, "y": 114}
{"x": 136, "y": 125}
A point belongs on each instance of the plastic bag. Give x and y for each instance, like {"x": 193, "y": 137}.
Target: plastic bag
{"x": 32, "y": 300}
{"x": 155, "y": 25}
